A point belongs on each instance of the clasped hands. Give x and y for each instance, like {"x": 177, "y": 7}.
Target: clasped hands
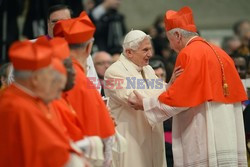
{"x": 136, "y": 101}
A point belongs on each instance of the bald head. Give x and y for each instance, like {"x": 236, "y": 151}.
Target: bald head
{"x": 102, "y": 60}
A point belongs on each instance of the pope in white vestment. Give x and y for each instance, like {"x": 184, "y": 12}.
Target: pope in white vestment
{"x": 145, "y": 143}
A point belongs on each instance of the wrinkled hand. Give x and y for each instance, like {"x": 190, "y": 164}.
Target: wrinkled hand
{"x": 176, "y": 73}
{"x": 136, "y": 102}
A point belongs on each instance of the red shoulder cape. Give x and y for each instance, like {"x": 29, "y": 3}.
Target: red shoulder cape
{"x": 69, "y": 119}
{"x": 29, "y": 135}
{"x": 202, "y": 77}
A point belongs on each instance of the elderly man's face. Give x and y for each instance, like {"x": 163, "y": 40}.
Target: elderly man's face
{"x": 57, "y": 86}
{"x": 48, "y": 84}
{"x": 102, "y": 61}
{"x": 174, "y": 42}
{"x": 56, "y": 16}
{"x": 142, "y": 55}
{"x": 42, "y": 80}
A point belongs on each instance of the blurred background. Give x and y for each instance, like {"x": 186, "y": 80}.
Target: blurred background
{"x": 214, "y": 18}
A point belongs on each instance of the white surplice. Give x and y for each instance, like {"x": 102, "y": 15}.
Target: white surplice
{"x": 208, "y": 135}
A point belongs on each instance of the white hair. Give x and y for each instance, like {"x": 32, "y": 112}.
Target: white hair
{"x": 135, "y": 43}
{"x": 133, "y": 39}
{"x": 11, "y": 75}
{"x": 26, "y": 74}
{"x": 184, "y": 33}
{"x": 22, "y": 74}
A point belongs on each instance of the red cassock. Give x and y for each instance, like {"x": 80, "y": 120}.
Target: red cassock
{"x": 89, "y": 106}
{"x": 202, "y": 77}
{"x": 69, "y": 119}
{"x": 29, "y": 132}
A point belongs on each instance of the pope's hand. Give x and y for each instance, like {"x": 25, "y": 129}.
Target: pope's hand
{"x": 176, "y": 73}
{"x": 136, "y": 101}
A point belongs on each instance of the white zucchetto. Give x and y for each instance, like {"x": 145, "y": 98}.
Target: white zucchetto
{"x": 134, "y": 35}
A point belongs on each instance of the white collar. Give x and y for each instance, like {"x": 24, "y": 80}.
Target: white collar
{"x": 139, "y": 69}
{"x": 190, "y": 40}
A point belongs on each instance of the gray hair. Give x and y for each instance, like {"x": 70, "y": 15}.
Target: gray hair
{"x": 26, "y": 74}
{"x": 134, "y": 45}
{"x": 6, "y": 72}
{"x": 185, "y": 33}
{"x": 22, "y": 74}
{"x": 80, "y": 45}
{"x": 11, "y": 75}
